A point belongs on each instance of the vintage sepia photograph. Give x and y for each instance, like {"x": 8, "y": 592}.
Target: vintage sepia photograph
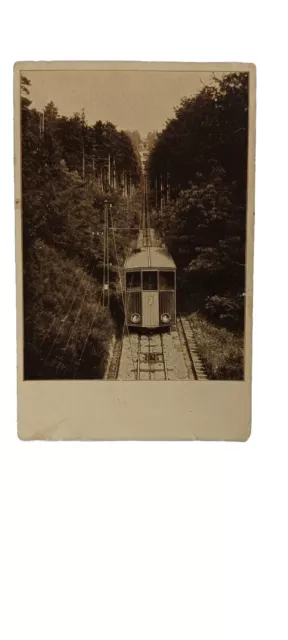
{"x": 134, "y": 224}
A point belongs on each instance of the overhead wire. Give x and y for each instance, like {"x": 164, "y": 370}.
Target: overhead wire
{"x": 75, "y": 322}
{"x": 66, "y": 318}
{"x": 122, "y": 295}
{"x": 88, "y": 335}
{"x": 49, "y": 329}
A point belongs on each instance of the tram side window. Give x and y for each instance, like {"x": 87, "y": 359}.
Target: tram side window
{"x": 150, "y": 280}
{"x": 166, "y": 280}
{"x": 133, "y": 280}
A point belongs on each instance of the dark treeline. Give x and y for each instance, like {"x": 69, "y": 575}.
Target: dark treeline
{"x": 68, "y": 170}
{"x": 197, "y": 172}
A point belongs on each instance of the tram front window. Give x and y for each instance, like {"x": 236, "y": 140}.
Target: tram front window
{"x": 133, "y": 281}
{"x": 150, "y": 280}
{"x": 166, "y": 280}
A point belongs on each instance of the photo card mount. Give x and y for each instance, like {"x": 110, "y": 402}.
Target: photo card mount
{"x": 134, "y": 201}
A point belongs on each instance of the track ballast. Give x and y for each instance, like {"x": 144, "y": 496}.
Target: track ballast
{"x": 157, "y": 356}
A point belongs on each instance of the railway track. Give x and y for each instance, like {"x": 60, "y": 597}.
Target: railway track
{"x": 186, "y": 335}
{"x": 151, "y": 363}
{"x": 159, "y": 356}
{"x": 114, "y": 364}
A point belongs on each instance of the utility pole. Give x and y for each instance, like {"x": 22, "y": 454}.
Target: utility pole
{"x": 106, "y": 255}
{"x": 83, "y": 161}
{"x": 168, "y": 187}
{"x": 144, "y": 203}
{"x": 146, "y": 212}
{"x": 129, "y": 193}
{"x": 83, "y": 143}
{"x": 109, "y": 171}
{"x": 93, "y": 161}
{"x": 156, "y": 194}
{"x": 107, "y": 249}
{"x": 114, "y": 173}
{"x": 41, "y": 124}
{"x": 147, "y": 205}
{"x": 142, "y": 208}
{"x": 161, "y": 193}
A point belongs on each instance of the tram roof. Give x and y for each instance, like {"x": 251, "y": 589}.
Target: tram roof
{"x": 150, "y": 258}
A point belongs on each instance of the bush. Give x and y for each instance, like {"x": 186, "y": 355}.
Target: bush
{"x": 226, "y": 310}
{"x": 67, "y": 330}
{"x": 221, "y": 350}
{"x": 199, "y": 162}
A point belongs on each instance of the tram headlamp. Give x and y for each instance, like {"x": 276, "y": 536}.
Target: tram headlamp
{"x": 135, "y": 318}
{"x": 165, "y": 318}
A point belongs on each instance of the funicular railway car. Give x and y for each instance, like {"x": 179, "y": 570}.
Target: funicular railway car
{"x": 150, "y": 288}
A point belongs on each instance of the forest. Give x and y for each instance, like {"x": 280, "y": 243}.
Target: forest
{"x": 68, "y": 170}
{"x": 198, "y": 173}
{"x": 197, "y": 170}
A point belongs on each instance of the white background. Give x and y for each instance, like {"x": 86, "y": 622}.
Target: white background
{"x": 153, "y": 540}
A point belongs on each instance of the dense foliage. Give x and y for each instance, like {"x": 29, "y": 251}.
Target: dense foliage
{"x": 197, "y": 174}
{"x": 200, "y": 161}
{"x": 221, "y": 350}
{"x": 68, "y": 170}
